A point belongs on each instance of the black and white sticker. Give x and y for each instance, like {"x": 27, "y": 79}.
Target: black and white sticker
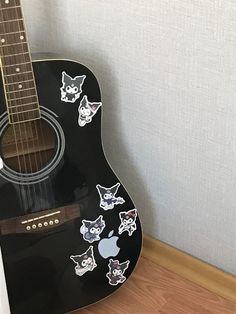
{"x": 91, "y": 230}
{"x": 87, "y": 111}
{"x": 71, "y": 88}
{"x": 84, "y": 262}
{"x": 116, "y": 272}
{"x": 108, "y": 197}
{"x": 128, "y": 221}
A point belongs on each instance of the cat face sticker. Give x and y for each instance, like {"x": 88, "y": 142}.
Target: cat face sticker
{"x": 108, "y": 197}
{"x": 72, "y": 87}
{"x": 116, "y": 272}
{"x": 87, "y": 110}
{"x": 128, "y": 221}
{"x": 92, "y": 229}
{"x": 84, "y": 262}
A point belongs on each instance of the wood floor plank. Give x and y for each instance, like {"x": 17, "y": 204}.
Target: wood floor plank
{"x": 191, "y": 268}
{"x": 153, "y": 289}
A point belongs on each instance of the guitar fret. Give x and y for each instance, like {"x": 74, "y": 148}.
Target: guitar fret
{"x": 17, "y": 48}
{"x": 17, "y": 69}
{"x": 16, "y": 54}
{"x": 16, "y": 87}
{"x": 21, "y": 90}
{"x": 14, "y": 74}
{"x": 17, "y": 32}
{"x": 15, "y": 65}
{"x": 21, "y": 109}
{"x": 14, "y": 44}
{"x": 23, "y": 105}
{"x": 30, "y": 96}
{"x": 10, "y": 21}
{"x": 26, "y": 81}
{"x": 18, "y": 78}
{"x": 23, "y": 101}
{"x": 17, "y": 58}
{"x": 24, "y": 111}
{"x": 6, "y": 5}
{"x": 19, "y": 82}
{"x": 11, "y": 26}
{"x": 11, "y": 14}
{"x": 23, "y": 121}
{"x": 24, "y": 117}
{"x": 10, "y": 7}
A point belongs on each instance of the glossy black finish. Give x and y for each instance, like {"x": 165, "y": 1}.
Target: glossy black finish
{"x": 40, "y": 275}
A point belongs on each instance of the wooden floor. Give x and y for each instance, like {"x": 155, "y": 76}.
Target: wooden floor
{"x": 153, "y": 289}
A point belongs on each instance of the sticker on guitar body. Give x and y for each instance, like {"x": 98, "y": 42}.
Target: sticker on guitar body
{"x": 116, "y": 271}
{"x": 87, "y": 111}
{"x": 128, "y": 221}
{"x": 72, "y": 87}
{"x": 84, "y": 262}
{"x": 91, "y": 230}
{"x": 108, "y": 197}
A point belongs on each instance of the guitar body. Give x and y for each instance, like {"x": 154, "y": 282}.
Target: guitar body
{"x": 70, "y": 234}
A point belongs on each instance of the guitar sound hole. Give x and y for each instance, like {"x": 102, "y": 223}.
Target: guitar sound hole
{"x": 28, "y": 147}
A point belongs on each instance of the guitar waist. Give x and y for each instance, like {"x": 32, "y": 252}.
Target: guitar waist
{"x": 40, "y": 221}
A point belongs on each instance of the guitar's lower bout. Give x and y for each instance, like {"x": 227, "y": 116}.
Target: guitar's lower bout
{"x": 70, "y": 234}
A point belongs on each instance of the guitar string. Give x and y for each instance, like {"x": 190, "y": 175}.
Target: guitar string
{"x": 25, "y": 189}
{"x": 15, "y": 135}
{"x": 23, "y": 199}
{"x": 34, "y": 123}
{"x": 42, "y": 185}
{"x": 48, "y": 193}
{"x": 48, "y": 189}
{"x": 43, "y": 154}
{"x": 31, "y": 123}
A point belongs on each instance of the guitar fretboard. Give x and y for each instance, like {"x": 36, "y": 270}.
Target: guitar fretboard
{"x": 17, "y": 71}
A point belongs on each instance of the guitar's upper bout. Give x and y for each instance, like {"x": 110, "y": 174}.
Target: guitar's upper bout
{"x": 69, "y": 89}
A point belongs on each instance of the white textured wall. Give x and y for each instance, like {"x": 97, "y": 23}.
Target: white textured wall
{"x": 167, "y": 70}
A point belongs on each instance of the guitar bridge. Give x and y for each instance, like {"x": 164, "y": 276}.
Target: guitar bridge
{"x": 40, "y": 221}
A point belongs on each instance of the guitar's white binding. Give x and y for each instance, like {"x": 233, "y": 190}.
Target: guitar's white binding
{"x": 4, "y": 303}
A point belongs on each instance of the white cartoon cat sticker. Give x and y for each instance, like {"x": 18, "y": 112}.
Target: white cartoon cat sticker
{"x": 116, "y": 272}
{"x": 72, "y": 87}
{"x": 87, "y": 110}
{"x": 84, "y": 262}
{"x": 128, "y": 221}
{"x": 108, "y": 198}
{"x": 91, "y": 230}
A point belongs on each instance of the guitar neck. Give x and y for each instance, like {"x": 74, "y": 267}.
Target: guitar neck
{"x": 16, "y": 65}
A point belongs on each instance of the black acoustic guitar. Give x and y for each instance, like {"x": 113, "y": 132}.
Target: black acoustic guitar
{"x": 69, "y": 232}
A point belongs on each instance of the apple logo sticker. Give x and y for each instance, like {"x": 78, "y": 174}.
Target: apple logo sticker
{"x": 107, "y": 247}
